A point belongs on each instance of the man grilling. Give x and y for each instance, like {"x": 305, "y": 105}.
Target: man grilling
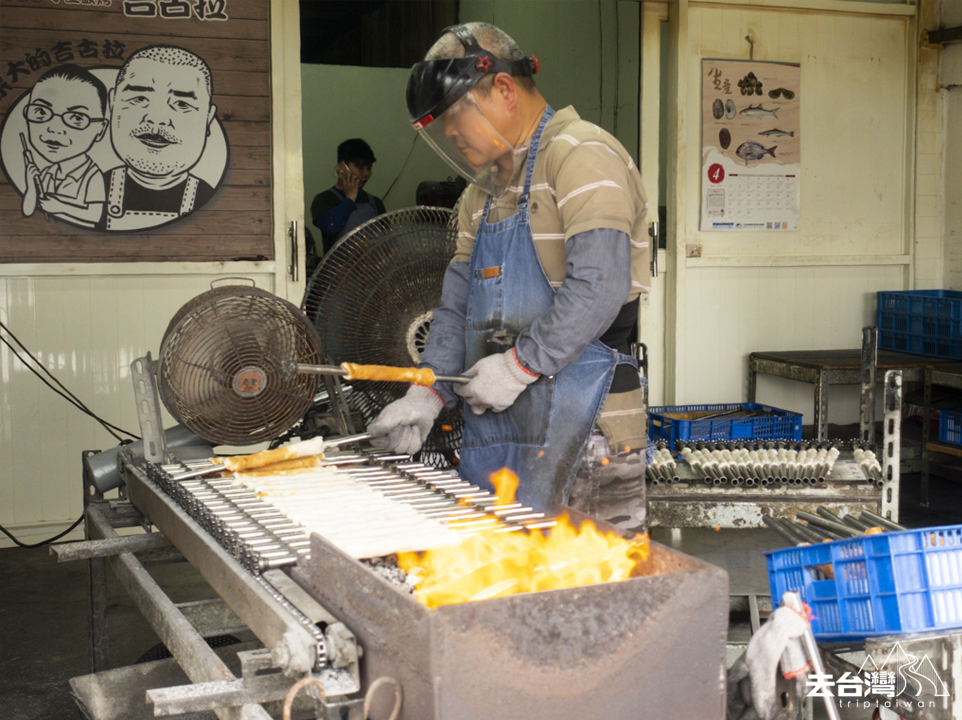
{"x": 540, "y": 302}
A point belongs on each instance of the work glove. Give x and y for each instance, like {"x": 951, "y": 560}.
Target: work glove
{"x": 752, "y": 678}
{"x": 496, "y": 382}
{"x": 403, "y": 425}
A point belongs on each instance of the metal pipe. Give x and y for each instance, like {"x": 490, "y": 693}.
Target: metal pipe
{"x": 830, "y": 534}
{"x": 808, "y": 532}
{"x": 854, "y": 522}
{"x": 105, "y": 548}
{"x": 828, "y": 514}
{"x": 839, "y": 528}
{"x": 786, "y": 533}
{"x": 881, "y": 521}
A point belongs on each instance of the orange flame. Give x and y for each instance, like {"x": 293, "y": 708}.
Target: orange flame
{"x": 505, "y": 486}
{"x": 498, "y": 563}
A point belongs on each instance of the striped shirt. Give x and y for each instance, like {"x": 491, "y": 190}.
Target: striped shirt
{"x": 583, "y": 180}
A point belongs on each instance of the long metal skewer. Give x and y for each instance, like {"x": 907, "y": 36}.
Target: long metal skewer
{"x": 337, "y": 370}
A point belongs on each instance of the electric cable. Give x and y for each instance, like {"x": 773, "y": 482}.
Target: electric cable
{"x": 42, "y": 542}
{"x": 63, "y": 391}
{"x": 403, "y": 165}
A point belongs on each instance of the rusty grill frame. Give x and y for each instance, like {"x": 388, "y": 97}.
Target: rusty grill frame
{"x": 561, "y": 654}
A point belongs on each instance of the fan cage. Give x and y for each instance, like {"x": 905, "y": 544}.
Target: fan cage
{"x": 226, "y": 366}
{"x": 371, "y": 299}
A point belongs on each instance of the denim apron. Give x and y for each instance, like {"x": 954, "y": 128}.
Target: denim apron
{"x": 542, "y": 436}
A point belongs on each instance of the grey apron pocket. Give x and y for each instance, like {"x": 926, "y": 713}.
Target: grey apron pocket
{"x": 624, "y": 421}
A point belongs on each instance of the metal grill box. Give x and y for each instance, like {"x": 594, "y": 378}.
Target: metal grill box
{"x": 649, "y": 646}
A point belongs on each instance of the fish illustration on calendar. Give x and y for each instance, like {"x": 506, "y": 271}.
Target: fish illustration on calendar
{"x": 751, "y": 149}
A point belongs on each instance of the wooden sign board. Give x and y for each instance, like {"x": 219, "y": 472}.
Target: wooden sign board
{"x": 135, "y": 130}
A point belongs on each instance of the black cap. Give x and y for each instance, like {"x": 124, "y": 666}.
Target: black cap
{"x": 435, "y": 85}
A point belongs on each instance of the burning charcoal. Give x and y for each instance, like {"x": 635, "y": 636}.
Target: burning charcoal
{"x": 387, "y": 568}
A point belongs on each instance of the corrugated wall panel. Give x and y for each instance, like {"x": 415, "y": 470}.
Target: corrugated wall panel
{"x": 86, "y": 331}
{"x": 736, "y": 311}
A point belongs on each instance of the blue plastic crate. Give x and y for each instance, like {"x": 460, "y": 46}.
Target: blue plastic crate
{"x": 950, "y": 426}
{"x": 893, "y": 583}
{"x": 665, "y": 424}
{"x": 921, "y": 322}
{"x": 934, "y": 303}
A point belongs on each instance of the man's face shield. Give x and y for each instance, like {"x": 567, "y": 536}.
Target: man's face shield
{"x": 468, "y": 142}
{"x": 447, "y": 108}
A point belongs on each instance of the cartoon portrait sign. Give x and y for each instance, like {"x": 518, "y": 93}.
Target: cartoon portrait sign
{"x": 136, "y": 131}
{"x": 117, "y": 149}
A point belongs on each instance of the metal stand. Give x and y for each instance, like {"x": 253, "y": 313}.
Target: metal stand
{"x": 183, "y": 627}
{"x": 867, "y": 402}
{"x": 143, "y": 371}
{"x": 892, "y": 443}
{"x": 947, "y": 377}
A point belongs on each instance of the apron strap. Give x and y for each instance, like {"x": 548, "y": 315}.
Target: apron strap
{"x": 533, "y": 148}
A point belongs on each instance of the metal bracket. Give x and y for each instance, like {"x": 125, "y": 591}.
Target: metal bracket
{"x": 640, "y": 352}
{"x": 892, "y": 443}
{"x": 143, "y": 371}
{"x": 653, "y": 245}
{"x": 869, "y": 363}
{"x": 339, "y": 407}
{"x": 293, "y": 269}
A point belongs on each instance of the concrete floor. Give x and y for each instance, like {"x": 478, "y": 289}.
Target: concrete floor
{"x": 43, "y": 605}
{"x": 44, "y": 628}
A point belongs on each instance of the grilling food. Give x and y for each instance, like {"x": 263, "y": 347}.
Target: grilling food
{"x": 284, "y": 467}
{"x": 421, "y": 376}
{"x": 314, "y": 446}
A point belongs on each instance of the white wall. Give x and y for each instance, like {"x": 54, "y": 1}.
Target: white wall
{"x": 814, "y": 288}
{"x": 86, "y": 330}
{"x": 950, "y": 80}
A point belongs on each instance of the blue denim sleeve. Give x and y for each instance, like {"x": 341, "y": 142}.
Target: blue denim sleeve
{"x": 595, "y": 287}
{"x": 333, "y": 220}
{"x": 444, "y": 349}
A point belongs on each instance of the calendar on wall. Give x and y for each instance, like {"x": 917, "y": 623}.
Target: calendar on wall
{"x": 751, "y": 146}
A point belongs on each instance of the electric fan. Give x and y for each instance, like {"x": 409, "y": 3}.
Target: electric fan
{"x": 371, "y": 300}
{"x": 226, "y": 362}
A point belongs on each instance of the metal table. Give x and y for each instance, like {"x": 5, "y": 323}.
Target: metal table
{"x": 824, "y": 368}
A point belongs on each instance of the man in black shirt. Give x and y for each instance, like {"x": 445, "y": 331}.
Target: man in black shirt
{"x": 345, "y": 206}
